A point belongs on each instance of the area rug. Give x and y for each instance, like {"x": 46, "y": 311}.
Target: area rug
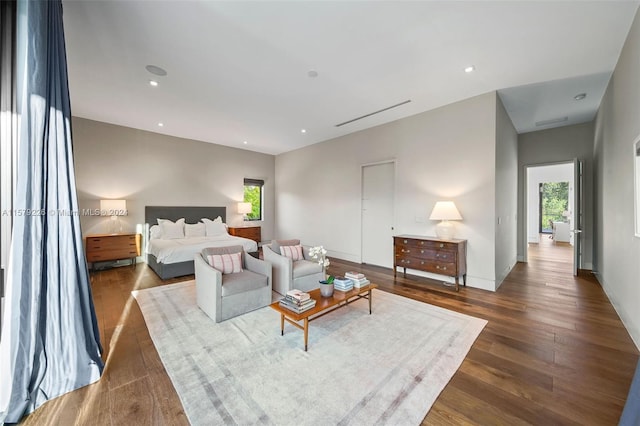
{"x": 360, "y": 369}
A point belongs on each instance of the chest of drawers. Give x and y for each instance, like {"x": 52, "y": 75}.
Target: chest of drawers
{"x": 430, "y": 254}
{"x": 250, "y": 232}
{"x": 105, "y": 247}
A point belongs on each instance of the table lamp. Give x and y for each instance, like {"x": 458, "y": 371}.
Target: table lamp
{"x": 113, "y": 208}
{"x": 444, "y": 211}
{"x": 244, "y": 209}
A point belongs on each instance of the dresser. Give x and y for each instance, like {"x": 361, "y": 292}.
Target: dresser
{"x": 105, "y": 247}
{"x": 250, "y": 232}
{"x": 431, "y": 254}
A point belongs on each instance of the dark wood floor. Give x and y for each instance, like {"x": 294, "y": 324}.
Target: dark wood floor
{"x": 553, "y": 352}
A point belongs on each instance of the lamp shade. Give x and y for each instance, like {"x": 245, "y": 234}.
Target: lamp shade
{"x": 244, "y": 208}
{"x": 113, "y": 207}
{"x": 445, "y": 210}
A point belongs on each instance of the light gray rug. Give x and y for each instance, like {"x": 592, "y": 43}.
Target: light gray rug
{"x": 385, "y": 368}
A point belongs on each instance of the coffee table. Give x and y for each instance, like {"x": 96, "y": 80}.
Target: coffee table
{"x": 324, "y": 305}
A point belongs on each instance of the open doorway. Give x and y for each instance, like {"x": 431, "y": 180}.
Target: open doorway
{"x": 550, "y": 212}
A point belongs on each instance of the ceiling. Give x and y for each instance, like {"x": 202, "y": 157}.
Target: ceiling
{"x": 239, "y": 71}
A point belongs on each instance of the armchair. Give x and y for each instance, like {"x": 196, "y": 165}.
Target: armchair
{"x": 302, "y": 274}
{"x": 223, "y": 296}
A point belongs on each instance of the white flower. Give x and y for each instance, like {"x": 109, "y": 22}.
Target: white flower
{"x": 319, "y": 254}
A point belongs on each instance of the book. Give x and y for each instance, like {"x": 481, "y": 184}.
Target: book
{"x": 361, "y": 280}
{"x": 298, "y": 294}
{"x": 362, "y": 284}
{"x": 295, "y": 308}
{"x": 354, "y": 275}
{"x": 296, "y": 302}
{"x": 341, "y": 281}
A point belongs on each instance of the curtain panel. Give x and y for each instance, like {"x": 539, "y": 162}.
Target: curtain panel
{"x": 50, "y": 341}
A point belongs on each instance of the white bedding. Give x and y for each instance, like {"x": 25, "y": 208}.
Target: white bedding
{"x": 183, "y": 249}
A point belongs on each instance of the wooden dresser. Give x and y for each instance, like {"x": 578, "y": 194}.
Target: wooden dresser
{"x": 431, "y": 254}
{"x": 250, "y": 232}
{"x": 105, "y": 247}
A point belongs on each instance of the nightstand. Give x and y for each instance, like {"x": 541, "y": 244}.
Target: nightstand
{"x": 106, "y": 247}
{"x": 250, "y": 232}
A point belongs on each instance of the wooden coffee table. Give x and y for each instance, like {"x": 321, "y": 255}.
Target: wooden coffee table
{"x": 324, "y": 305}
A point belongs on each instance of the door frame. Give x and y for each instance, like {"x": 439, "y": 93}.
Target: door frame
{"x": 525, "y": 199}
{"x": 393, "y": 205}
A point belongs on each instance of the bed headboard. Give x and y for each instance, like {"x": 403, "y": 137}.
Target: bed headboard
{"x": 190, "y": 214}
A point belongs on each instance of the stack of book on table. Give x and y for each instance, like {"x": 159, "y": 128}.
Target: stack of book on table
{"x": 358, "y": 279}
{"x": 342, "y": 284}
{"x": 297, "y": 301}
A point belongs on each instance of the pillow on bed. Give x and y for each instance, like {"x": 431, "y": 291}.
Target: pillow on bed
{"x": 292, "y": 252}
{"x": 171, "y": 230}
{"x": 194, "y": 230}
{"x": 214, "y": 227}
{"x": 155, "y": 233}
{"x": 230, "y": 263}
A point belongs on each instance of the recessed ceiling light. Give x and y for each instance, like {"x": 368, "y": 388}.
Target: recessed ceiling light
{"x": 160, "y": 124}
{"x": 312, "y": 73}
{"x": 580, "y": 96}
{"x": 156, "y": 70}
{"x": 245, "y": 142}
{"x": 470, "y": 68}
{"x": 303, "y": 131}
{"x": 153, "y": 83}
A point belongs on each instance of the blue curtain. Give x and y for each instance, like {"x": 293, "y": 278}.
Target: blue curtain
{"x": 50, "y": 341}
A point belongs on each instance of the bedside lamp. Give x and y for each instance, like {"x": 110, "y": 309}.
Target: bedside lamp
{"x": 113, "y": 208}
{"x": 445, "y": 211}
{"x": 244, "y": 209}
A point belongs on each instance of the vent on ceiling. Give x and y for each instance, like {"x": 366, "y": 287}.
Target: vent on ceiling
{"x": 373, "y": 113}
{"x": 552, "y": 121}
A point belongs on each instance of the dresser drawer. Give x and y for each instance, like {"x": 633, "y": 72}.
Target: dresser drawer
{"x": 106, "y": 243}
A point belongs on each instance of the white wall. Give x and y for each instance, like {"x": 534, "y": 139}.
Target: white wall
{"x": 558, "y": 145}
{"x": 536, "y": 176}
{"x": 617, "y": 250}
{"x": 447, "y": 153}
{"x": 506, "y": 193}
{"x": 148, "y": 168}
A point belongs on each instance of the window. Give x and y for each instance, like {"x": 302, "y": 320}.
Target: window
{"x": 253, "y": 195}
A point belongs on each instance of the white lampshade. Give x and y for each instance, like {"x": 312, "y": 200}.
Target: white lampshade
{"x": 244, "y": 208}
{"x": 113, "y": 207}
{"x": 445, "y": 211}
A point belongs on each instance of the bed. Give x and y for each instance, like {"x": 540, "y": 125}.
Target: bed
{"x": 174, "y": 257}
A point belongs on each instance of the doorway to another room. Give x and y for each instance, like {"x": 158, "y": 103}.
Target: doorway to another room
{"x": 551, "y": 216}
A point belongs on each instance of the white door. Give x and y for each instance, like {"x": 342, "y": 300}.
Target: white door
{"x": 378, "y": 182}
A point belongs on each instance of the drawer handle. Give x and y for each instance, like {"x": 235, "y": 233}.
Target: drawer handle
{"x": 408, "y": 261}
{"x": 407, "y": 251}
{"x": 405, "y": 241}
{"x": 437, "y": 254}
{"x": 441, "y": 245}
{"x": 422, "y": 263}
{"x": 421, "y": 242}
{"x": 421, "y": 251}
{"x": 444, "y": 269}
{"x": 437, "y": 266}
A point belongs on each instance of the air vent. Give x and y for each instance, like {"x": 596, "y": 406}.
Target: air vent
{"x": 373, "y": 113}
{"x": 552, "y": 121}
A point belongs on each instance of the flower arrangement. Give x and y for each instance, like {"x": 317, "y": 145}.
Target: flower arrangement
{"x": 319, "y": 254}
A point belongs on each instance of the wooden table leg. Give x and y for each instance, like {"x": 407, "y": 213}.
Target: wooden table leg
{"x": 457, "y": 282}
{"x": 306, "y": 333}
{"x": 370, "y": 297}
{"x": 282, "y": 324}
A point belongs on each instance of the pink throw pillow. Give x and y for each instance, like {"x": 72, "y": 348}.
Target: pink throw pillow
{"x": 293, "y": 252}
{"x": 226, "y": 263}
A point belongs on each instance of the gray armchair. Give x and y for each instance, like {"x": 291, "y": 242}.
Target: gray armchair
{"x": 304, "y": 274}
{"x": 224, "y": 296}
